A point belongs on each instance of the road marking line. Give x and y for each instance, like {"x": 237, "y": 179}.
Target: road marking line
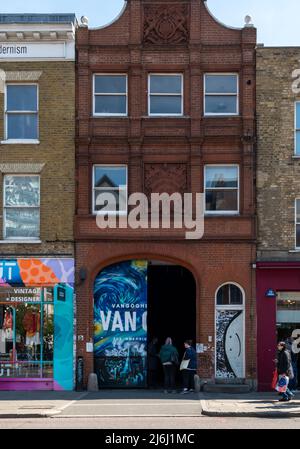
{"x": 110, "y": 404}
{"x": 60, "y": 409}
{"x": 127, "y": 416}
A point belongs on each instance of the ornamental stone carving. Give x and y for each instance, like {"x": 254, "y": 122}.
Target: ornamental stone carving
{"x": 167, "y": 24}
{"x": 169, "y": 178}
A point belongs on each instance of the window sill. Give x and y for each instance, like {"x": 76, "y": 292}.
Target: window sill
{"x": 20, "y": 242}
{"x": 222, "y": 215}
{"x": 296, "y": 156}
{"x": 294, "y": 251}
{"x": 110, "y": 116}
{"x": 221, "y": 116}
{"x": 20, "y": 142}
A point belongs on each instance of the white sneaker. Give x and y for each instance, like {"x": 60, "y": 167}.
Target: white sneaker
{"x": 185, "y": 391}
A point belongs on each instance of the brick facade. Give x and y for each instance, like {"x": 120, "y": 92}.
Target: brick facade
{"x": 168, "y": 154}
{"x": 278, "y": 187}
{"x": 52, "y": 158}
{"x": 278, "y": 168}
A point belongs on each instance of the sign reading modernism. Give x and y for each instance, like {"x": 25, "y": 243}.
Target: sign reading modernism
{"x": 32, "y": 50}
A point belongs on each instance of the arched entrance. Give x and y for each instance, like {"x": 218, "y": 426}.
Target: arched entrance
{"x": 137, "y": 302}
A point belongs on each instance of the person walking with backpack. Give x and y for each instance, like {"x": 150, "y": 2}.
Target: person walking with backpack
{"x": 169, "y": 358}
{"x": 188, "y": 367}
{"x": 284, "y": 370}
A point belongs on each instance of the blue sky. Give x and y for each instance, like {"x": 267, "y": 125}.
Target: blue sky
{"x": 277, "y": 20}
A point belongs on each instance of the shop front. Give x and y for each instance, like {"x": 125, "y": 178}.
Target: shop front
{"x": 278, "y": 315}
{"x": 36, "y": 324}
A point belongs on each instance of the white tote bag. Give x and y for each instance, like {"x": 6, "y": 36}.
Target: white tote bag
{"x": 184, "y": 364}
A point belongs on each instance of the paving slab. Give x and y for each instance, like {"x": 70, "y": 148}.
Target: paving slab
{"x": 35, "y": 404}
{"x": 256, "y": 405}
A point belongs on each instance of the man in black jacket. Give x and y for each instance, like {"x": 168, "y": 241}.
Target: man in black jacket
{"x": 284, "y": 369}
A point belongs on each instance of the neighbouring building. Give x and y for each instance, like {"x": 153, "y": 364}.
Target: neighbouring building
{"x": 278, "y": 203}
{"x": 166, "y": 103}
{"x": 37, "y": 201}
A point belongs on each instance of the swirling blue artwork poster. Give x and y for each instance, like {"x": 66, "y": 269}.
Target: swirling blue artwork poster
{"x": 120, "y": 321}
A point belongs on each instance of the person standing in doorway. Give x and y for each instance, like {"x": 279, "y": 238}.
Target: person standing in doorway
{"x": 169, "y": 358}
{"x": 153, "y": 362}
{"x": 284, "y": 369}
{"x": 189, "y": 367}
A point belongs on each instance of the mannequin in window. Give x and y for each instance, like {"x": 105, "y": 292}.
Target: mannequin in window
{"x": 31, "y": 324}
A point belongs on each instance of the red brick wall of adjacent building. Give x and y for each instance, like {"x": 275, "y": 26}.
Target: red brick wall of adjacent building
{"x": 175, "y": 150}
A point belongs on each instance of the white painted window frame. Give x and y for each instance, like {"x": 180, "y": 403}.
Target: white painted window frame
{"x": 6, "y": 112}
{"x": 166, "y": 95}
{"x": 237, "y": 95}
{"x": 21, "y": 239}
{"x": 122, "y": 94}
{"x": 219, "y": 213}
{"x": 111, "y": 213}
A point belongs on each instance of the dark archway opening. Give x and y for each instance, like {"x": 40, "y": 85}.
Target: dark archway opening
{"x": 171, "y": 311}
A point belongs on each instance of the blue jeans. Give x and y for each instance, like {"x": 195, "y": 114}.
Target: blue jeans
{"x": 287, "y": 395}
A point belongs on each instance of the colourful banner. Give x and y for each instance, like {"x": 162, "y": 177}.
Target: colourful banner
{"x": 120, "y": 319}
{"x": 34, "y": 272}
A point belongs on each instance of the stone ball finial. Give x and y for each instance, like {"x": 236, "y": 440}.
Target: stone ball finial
{"x": 248, "y": 21}
{"x": 84, "y": 21}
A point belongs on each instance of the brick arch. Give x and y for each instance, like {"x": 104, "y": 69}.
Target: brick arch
{"x": 145, "y": 256}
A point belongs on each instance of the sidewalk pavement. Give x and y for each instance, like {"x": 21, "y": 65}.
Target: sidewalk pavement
{"x": 105, "y": 403}
{"x": 257, "y": 405}
{"x": 137, "y": 403}
{"x": 36, "y": 404}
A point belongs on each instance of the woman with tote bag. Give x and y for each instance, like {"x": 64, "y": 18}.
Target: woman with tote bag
{"x": 188, "y": 367}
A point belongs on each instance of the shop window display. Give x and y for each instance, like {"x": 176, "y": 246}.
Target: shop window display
{"x": 26, "y": 333}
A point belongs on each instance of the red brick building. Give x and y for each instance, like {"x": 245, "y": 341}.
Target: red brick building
{"x": 166, "y": 103}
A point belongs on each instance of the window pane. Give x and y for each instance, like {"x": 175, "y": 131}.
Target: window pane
{"x": 22, "y": 223}
{"x": 22, "y": 98}
{"x": 165, "y": 84}
{"x": 220, "y": 177}
{"x": 298, "y": 143}
{"x": 298, "y": 115}
{"x": 298, "y": 236}
{"x": 298, "y": 211}
{"x": 48, "y": 294}
{"x": 28, "y": 340}
{"x": 22, "y": 191}
{"x": 110, "y": 176}
{"x": 48, "y": 332}
{"x": 220, "y": 104}
{"x": 218, "y": 200}
{"x": 223, "y": 296}
{"x": 165, "y": 105}
{"x": 6, "y": 331}
{"x": 236, "y": 296}
{"x": 22, "y": 126}
{"x": 110, "y": 104}
{"x": 103, "y": 199}
{"x": 221, "y": 84}
{"x": 110, "y": 84}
